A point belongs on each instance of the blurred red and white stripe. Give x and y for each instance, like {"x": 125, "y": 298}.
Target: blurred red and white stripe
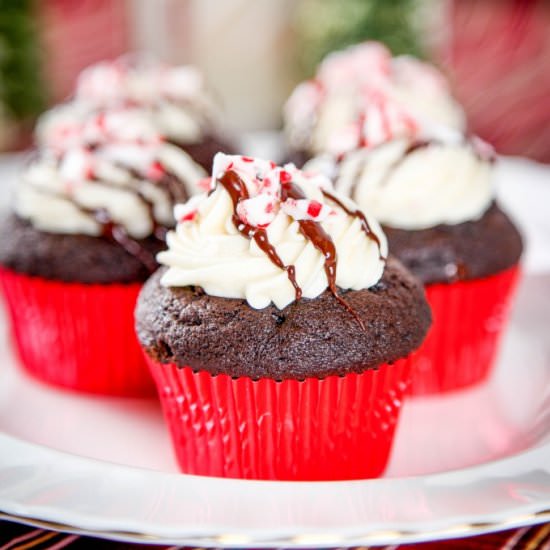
{"x": 497, "y": 53}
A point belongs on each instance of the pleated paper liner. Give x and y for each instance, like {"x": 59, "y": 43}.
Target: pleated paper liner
{"x": 468, "y": 320}
{"x": 331, "y": 429}
{"x": 78, "y": 336}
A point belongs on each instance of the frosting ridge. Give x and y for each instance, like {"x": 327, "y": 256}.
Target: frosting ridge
{"x": 114, "y": 167}
{"x": 413, "y": 183}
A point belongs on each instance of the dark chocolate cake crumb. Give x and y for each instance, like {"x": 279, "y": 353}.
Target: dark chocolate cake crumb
{"x": 448, "y": 253}
{"x": 316, "y": 337}
{"x": 70, "y": 258}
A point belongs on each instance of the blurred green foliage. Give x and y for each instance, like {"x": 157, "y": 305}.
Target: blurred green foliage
{"x": 323, "y": 26}
{"x": 22, "y": 94}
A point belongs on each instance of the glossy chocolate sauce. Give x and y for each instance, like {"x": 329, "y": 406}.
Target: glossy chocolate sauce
{"x": 361, "y": 217}
{"x": 312, "y": 231}
{"x": 117, "y": 233}
{"x": 320, "y": 239}
{"x": 170, "y": 183}
{"x": 237, "y": 190}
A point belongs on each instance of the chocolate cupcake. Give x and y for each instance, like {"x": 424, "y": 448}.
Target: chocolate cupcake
{"x": 325, "y": 111}
{"x": 82, "y": 237}
{"x": 279, "y": 336}
{"x": 433, "y": 192}
{"x": 174, "y": 99}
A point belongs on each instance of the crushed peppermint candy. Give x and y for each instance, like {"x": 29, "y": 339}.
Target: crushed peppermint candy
{"x": 306, "y": 210}
{"x": 188, "y": 211}
{"x": 76, "y": 166}
{"x": 381, "y": 120}
{"x": 259, "y": 211}
{"x": 378, "y": 98}
{"x": 156, "y": 171}
{"x": 205, "y": 184}
{"x": 137, "y": 79}
{"x": 120, "y": 124}
{"x": 264, "y": 182}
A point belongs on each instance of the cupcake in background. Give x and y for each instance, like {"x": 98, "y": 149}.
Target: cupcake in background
{"x": 432, "y": 189}
{"x": 86, "y": 225}
{"x": 278, "y": 334}
{"x": 174, "y": 99}
{"x": 322, "y": 111}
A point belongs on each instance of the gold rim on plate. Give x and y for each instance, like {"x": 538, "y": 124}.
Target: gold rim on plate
{"x": 320, "y": 539}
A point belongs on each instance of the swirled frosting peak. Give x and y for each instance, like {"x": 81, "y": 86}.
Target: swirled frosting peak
{"x": 271, "y": 234}
{"x": 321, "y": 114}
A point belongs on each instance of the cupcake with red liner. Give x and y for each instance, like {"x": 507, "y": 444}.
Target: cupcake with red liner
{"x": 432, "y": 190}
{"x": 324, "y": 110}
{"x": 86, "y": 225}
{"x": 175, "y": 99}
{"x": 280, "y": 337}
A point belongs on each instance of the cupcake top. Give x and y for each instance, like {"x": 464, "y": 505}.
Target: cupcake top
{"x": 117, "y": 179}
{"x": 271, "y": 234}
{"x": 174, "y": 99}
{"x": 431, "y": 187}
{"x": 323, "y": 111}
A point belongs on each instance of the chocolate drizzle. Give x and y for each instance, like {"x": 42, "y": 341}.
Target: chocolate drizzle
{"x": 118, "y": 233}
{"x": 237, "y": 190}
{"x": 170, "y": 184}
{"x": 365, "y": 226}
{"x": 311, "y": 230}
{"x": 320, "y": 239}
{"x": 412, "y": 147}
{"x": 113, "y": 231}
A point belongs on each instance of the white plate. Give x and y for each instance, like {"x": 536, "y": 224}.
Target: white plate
{"x": 472, "y": 462}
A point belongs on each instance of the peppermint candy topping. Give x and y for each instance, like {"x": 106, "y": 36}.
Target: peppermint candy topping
{"x": 76, "y": 166}
{"x": 381, "y": 120}
{"x": 264, "y": 181}
{"x": 137, "y": 80}
{"x": 188, "y": 211}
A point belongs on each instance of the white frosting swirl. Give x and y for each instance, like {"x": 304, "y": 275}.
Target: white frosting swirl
{"x": 322, "y": 113}
{"x": 174, "y": 100}
{"x": 408, "y": 184}
{"x": 121, "y": 179}
{"x": 208, "y": 250}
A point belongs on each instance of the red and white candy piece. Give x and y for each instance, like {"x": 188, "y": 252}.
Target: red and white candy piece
{"x": 251, "y": 170}
{"x": 385, "y": 120}
{"x": 123, "y": 125}
{"x": 304, "y": 209}
{"x": 76, "y": 166}
{"x": 258, "y": 211}
{"x": 188, "y": 211}
{"x": 155, "y": 171}
{"x": 381, "y": 121}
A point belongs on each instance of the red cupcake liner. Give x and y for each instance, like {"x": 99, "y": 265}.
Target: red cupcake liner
{"x": 468, "y": 320}
{"x": 330, "y": 429}
{"x": 79, "y": 336}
